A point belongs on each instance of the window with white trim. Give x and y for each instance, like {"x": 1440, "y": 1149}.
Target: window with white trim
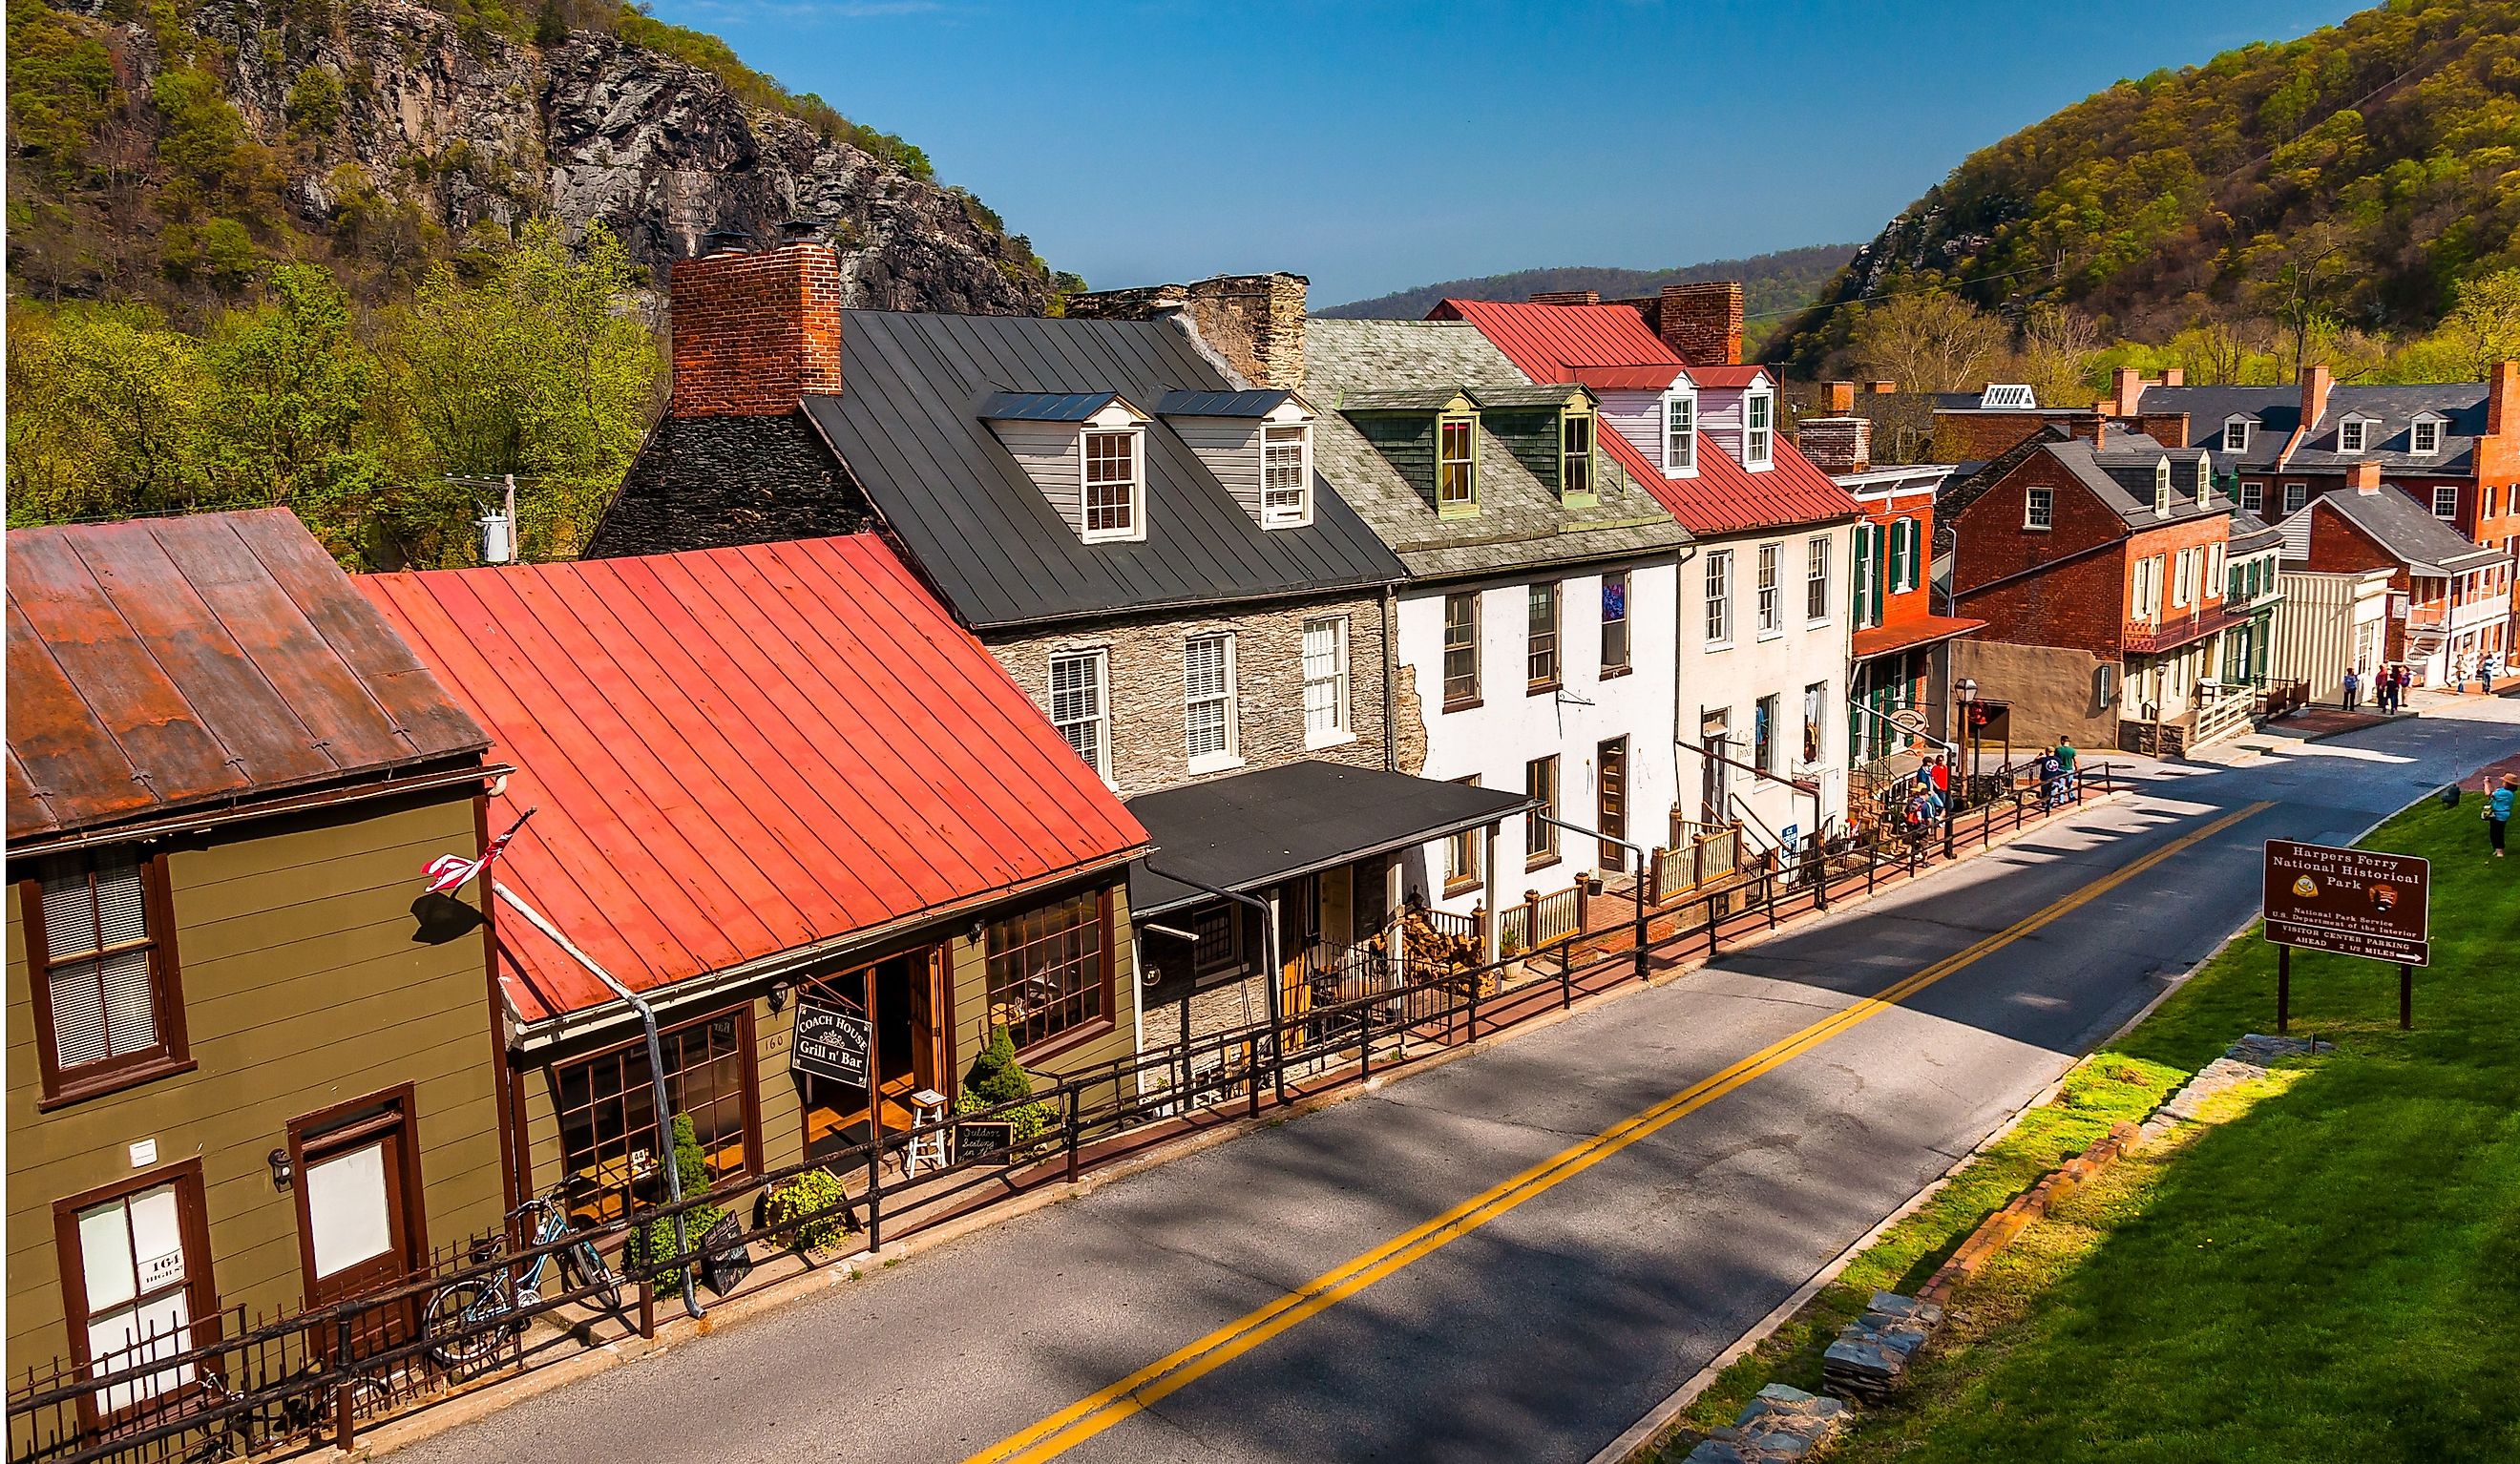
{"x": 1114, "y": 486}
{"x": 1680, "y": 433}
{"x": 2204, "y": 482}
{"x": 2181, "y": 578}
{"x": 1719, "y": 597}
{"x": 1207, "y": 695}
{"x": 2445, "y": 502}
{"x": 2253, "y": 494}
{"x": 2161, "y": 489}
{"x": 2294, "y": 495}
{"x": 1079, "y": 701}
{"x": 2038, "y": 508}
{"x": 1285, "y": 475}
{"x": 1904, "y": 537}
{"x": 2353, "y": 436}
{"x": 1758, "y": 430}
{"x": 2426, "y": 438}
{"x": 1325, "y": 714}
{"x": 1772, "y": 591}
{"x": 1815, "y": 579}
{"x": 2235, "y": 434}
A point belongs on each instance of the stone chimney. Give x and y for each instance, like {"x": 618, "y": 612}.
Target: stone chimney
{"x": 1253, "y": 323}
{"x": 1567, "y": 297}
{"x": 2126, "y": 392}
{"x": 1836, "y": 444}
{"x": 1702, "y": 322}
{"x": 2315, "y": 382}
{"x": 1841, "y": 398}
{"x": 2363, "y": 477}
{"x": 2503, "y": 399}
{"x": 755, "y": 333}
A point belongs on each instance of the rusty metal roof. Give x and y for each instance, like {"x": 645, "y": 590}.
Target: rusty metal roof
{"x": 736, "y": 753}
{"x": 163, "y": 664}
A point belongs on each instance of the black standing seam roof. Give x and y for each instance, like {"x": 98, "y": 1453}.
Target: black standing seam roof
{"x": 905, "y": 426}
{"x": 1045, "y": 406}
{"x": 1221, "y": 403}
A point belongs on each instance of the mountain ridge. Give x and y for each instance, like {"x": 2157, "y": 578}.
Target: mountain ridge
{"x": 1781, "y": 281}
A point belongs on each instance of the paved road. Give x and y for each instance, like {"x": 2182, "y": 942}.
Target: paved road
{"x": 1545, "y": 1332}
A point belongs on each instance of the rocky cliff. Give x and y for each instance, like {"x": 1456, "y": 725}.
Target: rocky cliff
{"x": 161, "y": 154}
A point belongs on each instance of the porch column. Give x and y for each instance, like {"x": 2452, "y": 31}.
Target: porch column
{"x": 1395, "y": 876}
{"x": 1494, "y": 890}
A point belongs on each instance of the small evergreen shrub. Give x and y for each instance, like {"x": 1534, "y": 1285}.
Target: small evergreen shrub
{"x": 809, "y": 1210}
{"x": 995, "y": 1078}
{"x": 652, "y": 1242}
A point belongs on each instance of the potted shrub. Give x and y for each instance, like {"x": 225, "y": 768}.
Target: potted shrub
{"x": 995, "y": 1078}
{"x": 809, "y": 1211}
{"x": 651, "y": 1243}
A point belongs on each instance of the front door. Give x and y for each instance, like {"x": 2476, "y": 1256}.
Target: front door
{"x": 1715, "y": 780}
{"x": 359, "y": 1220}
{"x": 899, "y": 1006}
{"x": 1610, "y": 767}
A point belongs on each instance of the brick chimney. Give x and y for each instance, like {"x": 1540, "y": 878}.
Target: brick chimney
{"x": 2503, "y": 399}
{"x": 1881, "y": 388}
{"x": 2173, "y": 375}
{"x": 1836, "y": 444}
{"x": 755, "y": 333}
{"x": 2126, "y": 392}
{"x": 2315, "y": 382}
{"x": 2363, "y": 477}
{"x": 1841, "y": 398}
{"x": 1567, "y": 297}
{"x": 1254, "y": 323}
{"x": 1702, "y": 322}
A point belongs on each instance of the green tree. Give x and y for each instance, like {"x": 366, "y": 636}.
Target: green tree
{"x": 61, "y": 89}
{"x": 2485, "y": 327}
{"x": 106, "y": 413}
{"x": 290, "y": 417}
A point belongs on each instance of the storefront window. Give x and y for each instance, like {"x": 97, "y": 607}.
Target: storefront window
{"x": 1049, "y": 968}
{"x": 607, "y": 1112}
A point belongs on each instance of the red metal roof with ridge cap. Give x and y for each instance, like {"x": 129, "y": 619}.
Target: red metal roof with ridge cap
{"x": 1564, "y": 342}
{"x": 737, "y": 752}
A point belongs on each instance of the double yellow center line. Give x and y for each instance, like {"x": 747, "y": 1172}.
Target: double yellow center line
{"x": 1101, "y": 1410}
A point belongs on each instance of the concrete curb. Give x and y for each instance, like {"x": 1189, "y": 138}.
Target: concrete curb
{"x": 494, "y": 1394}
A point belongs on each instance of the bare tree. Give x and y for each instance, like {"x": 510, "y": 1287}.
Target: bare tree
{"x": 1928, "y": 342}
{"x": 2058, "y": 346}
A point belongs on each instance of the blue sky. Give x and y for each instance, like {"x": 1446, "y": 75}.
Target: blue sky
{"x": 1378, "y": 146}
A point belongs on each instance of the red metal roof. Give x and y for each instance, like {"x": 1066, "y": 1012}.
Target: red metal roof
{"x": 1591, "y": 343}
{"x": 160, "y": 664}
{"x": 738, "y": 752}
{"x": 1921, "y": 630}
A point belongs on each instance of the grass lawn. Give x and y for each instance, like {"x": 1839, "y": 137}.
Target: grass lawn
{"x": 2333, "y": 1274}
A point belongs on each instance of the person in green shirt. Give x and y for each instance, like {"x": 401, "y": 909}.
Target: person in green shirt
{"x": 2066, "y": 759}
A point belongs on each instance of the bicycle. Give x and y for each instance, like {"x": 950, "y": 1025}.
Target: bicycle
{"x": 460, "y": 1312}
{"x": 302, "y": 1410}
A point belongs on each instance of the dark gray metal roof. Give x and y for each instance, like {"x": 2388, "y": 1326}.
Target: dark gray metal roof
{"x": 2400, "y": 525}
{"x": 2121, "y": 475}
{"x": 1221, "y": 403}
{"x": 2392, "y": 411}
{"x": 984, "y": 535}
{"x": 1045, "y": 406}
{"x": 1256, "y": 829}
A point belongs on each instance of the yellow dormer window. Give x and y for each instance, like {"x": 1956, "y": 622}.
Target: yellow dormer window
{"x": 1457, "y": 465}
{"x": 1575, "y": 484}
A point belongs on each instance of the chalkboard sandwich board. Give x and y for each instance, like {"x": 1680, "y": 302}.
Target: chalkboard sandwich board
{"x": 725, "y": 1260}
{"x": 984, "y": 1141}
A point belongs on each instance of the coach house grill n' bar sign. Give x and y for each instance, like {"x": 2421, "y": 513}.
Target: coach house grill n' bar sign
{"x": 2352, "y": 901}
{"x": 832, "y": 1044}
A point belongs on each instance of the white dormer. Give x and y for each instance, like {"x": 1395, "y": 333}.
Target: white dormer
{"x": 1679, "y": 430}
{"x": 2355, "y": 433}
{"x": 1084, "y": 451}
{"x": 2235, "y": 433}
{"x": 2161, "y": 489}
{"x": 2007, "y": 397}
{"x": 1729, "y": 406}
{"x": 2424, "y": 438}
{"x": 1259, "y": 444}
{"x": 2204, "y": 481}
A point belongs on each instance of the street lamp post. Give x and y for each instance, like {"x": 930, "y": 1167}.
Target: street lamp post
{"x": 1969, "y": 724}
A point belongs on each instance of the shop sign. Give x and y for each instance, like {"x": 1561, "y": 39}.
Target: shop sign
{"x": 2352, "y": 901}
{"x": 832, "y": 1044}
{"x": 984, "y": 1141}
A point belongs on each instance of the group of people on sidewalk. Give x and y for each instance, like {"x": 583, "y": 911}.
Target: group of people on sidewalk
{"x": 1929, "y": 794}
{"x": 2389, "y": 686}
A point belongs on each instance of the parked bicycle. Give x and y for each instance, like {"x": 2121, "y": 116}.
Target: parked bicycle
{"x": 462, "y": 1315}
{"x": 300, "y": 1408}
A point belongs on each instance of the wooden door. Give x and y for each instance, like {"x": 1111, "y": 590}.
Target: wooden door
{"x": 359, "y": 1220}
{"x": 1610, "y": 766}
{"x": 928, "y": 1059}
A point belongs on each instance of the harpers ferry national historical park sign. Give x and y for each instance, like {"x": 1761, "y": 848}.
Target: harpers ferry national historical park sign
{"x": 2351, "y": 902}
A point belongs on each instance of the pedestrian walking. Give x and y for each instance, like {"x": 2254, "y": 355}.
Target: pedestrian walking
{"x": 1942, "y": 776}
{"x": 2352, "y": 688}
{"x": 2070, "y": 762}
{"x": 2498, "y": 811}
{"x": 2051, "y": 776}
{"x": 2485, "y": 673}
{"x": 2406, "y": 683}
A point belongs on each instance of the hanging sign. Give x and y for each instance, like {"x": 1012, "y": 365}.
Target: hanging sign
{"x": 830, "y": 1043}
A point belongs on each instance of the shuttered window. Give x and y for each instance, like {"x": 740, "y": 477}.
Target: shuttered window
{"x": 107, "y": 1005}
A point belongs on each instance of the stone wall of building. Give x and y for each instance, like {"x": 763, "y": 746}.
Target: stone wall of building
{"x": 1254, "y": 322}
{"x": 1147, "y": 711}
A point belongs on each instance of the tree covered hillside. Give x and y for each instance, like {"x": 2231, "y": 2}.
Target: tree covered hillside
{"x": 2351, "y": 179}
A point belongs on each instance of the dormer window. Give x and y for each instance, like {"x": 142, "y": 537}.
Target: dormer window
{"x": 2204, "y": 482}
{"x": 2354, "y": 434}
{"x": 1680, "y": 434}
{"x": 1286, "y": 477}
{"x": 2427, "y": 437}
{"x": 1575, "y": 457}
{"x": 1758, "y": 430}
{"x": 1457, "y": 467}
{"x": 2235, "y": 434}
{"x": 1114, "y": 485}
{"x": 2161, "y": 489}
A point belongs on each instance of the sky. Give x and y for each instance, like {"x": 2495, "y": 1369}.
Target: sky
{"x": 1374, "y": 147}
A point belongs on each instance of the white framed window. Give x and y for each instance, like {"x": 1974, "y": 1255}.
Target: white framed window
{"x": 1871, "y": 586}
{"x": 1719, "y": 597}
{"x": 1080, "y": 698}
{"x": 2214, "y": 573}
{"x": 1815, "y": 723}
{"x": 1285, "y": 475}
{"x": 1904, "y": 535}
{"x": 2445, "y": 502}
{"x": 1680, "y": 433}
{"x": 1575, "y": 456}
{"x": 1208, "y": 731}
{"x": 2426, "y": 438}
{"x": 136, "y": 1280}
{"x": 2204, "y": 482}
{"x": 2038, "y": 508}
{"x": 1326, "y": 709}
{"x": 1457, "y": 465}
{"x": 1114, "y": 486}
{"x": 2294, "y": 495}
{"x": 2354, "y": 434}
{"x": 2180, "y": 578}
{"x": 1772, "y": 589}
{"x": 1758, "y": 430}
{"x": 2161, "y": 489}
{"x": 1815, "y": 579}
{"x": 2235, "y": 434}
{"x": 2253, "y": 496}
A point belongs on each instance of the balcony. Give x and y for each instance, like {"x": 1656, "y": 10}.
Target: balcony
{"x": 2143, "y": 638}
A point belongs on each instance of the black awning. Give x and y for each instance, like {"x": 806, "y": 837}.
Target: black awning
{"x": 1256, "y": 829}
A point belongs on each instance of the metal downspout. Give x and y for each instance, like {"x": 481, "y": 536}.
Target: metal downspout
{"x": 1390, "y": 676}
{"x": 655, "y": 1078}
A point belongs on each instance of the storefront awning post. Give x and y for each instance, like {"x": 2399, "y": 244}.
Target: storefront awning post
{"x": 1268, "y": 953}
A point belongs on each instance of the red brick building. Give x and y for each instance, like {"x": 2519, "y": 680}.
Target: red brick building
{"x": 2099, "y": 572}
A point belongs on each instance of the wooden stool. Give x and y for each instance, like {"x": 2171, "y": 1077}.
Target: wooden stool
{"x": 927, "y": 1106}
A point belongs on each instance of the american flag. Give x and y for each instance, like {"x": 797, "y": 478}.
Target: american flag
{"x": 448, "y": 872}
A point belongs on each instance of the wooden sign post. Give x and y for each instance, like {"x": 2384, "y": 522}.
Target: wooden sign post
{"x": 2352, "y": 901}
